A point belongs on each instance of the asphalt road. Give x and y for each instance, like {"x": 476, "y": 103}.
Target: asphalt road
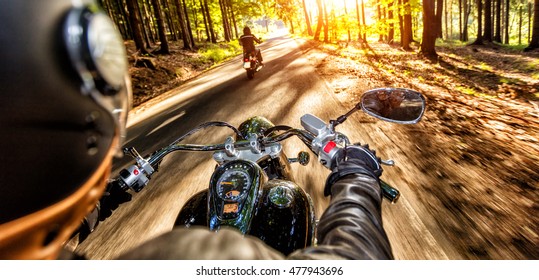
{"x": 285, "y": 89}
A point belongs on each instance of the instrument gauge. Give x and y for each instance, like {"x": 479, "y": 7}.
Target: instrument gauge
{"x": 233, "y": 184}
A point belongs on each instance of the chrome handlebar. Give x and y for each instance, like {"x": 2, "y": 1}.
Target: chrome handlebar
{"x": 321, "y": 139}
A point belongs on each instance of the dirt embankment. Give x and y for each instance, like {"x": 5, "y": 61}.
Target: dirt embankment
{"x": 153, "y": 75}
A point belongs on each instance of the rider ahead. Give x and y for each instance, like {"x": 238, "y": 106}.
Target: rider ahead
{"x": 247, "y": 41}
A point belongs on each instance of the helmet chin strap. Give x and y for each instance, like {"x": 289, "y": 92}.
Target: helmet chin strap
{"x": 42, "y": 234}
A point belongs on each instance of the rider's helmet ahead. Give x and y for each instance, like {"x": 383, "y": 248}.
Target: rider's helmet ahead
{"x": 64, "y": 98}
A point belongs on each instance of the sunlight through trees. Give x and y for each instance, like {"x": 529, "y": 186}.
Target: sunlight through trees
{"x": 403, "y": 22}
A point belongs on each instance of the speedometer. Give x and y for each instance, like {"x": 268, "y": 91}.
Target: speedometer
{"x": 233, "y": 184}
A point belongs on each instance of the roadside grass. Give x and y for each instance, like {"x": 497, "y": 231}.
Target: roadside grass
{"x": 217, "y": 53}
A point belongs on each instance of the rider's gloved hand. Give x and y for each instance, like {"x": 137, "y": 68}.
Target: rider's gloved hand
{"x": 368, "y": 156}
{"x": 357, "y": 159}
{"x": 113, "y": 196}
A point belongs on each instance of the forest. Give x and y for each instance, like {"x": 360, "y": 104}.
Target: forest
{"x": 157, "y": 22}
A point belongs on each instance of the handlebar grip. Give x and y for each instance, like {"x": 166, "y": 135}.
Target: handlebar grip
{"x": 389, "y": 192}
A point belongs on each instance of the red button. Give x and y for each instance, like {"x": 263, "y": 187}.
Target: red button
{"x": 135, "y": 171}
{"x": 329, "y": 146}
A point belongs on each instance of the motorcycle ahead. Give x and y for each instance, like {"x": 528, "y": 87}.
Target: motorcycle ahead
{"x": 251, "y": 64}
{"x": 252, "y": 188}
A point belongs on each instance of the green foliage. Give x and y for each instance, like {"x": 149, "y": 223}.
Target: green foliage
{"x": 219, "y": 52}
{"x": 484, "y": 66}
{"x": 510, "y": 81}
{"x": 450, "y": 43}
{"x": 473, "y": 92}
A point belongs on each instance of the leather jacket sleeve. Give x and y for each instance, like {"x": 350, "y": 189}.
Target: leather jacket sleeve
{"x": 256, "y": 39}
{"x": 198, "y": 243}
{"x": 351, "y": 227}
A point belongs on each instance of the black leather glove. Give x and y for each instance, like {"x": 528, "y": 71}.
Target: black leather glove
{"x": 358, "y": 159}
{"x": 113, "y": 196}
{"x": 368, "y": 156}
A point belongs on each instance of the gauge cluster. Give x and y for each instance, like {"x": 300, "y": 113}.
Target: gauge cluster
{"x": 234, "y": 185}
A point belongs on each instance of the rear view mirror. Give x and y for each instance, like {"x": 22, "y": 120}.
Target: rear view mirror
{"x": 397, "y": 105}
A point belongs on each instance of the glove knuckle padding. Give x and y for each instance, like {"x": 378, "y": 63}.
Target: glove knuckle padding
{"x": 358, "y": 159}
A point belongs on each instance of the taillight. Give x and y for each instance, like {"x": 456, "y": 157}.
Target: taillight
{"x": 246, "y": 60}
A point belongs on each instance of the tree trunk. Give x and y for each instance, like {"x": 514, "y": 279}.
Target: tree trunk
{"x": 326, "y": 23}
{"x": 144, "y": 27}
{"x": 210, "y": 22}
{"x": 520, "y": 24}
{"x": 364, "y": 21}
{"x": 206, "y": 27}
{"x": 346, "y": 14}
{"x": 181, "y": 19}
{"x": 407, "y": 34}
{"x": 448, "y": 6}
{"x": 226, "y": 26}
{"x": 498, "y": 33}
{"x": 401, "y": 22}
{"x": 233, "y": 18}
{"x": 479, "y": 39}
{"x": 307, "y": 21}
{"x": 160, "y": 27}
{"x": 117, "y": 13}
{"x": 358, "y": 22}
{"x": 466, "y": 8}
{"x": 530, "y": 21}
{"x": 391, "y": 33}
{"x": 188, "y": 24}
{"x": 170, "y": 25}
{"x": 460, "y": 19}
{"x": 534, "y": 44}
{"x": 194, "y": 15}
{"x": 507, "y": 9}
{"x": 320, "y": 20}
{"x": 135, "y": 26}
{"x": 438, "y": 12}
{"x": 151, "y": 27}
{"x": 379, "y": 14}
{"x": 430, "y": 30}
{"x": 487, "y": 35}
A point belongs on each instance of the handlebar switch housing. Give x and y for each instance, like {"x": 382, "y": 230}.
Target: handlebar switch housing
{"x": 330, "y": 153}
{"x": 134, "y": 178}
{"x": 327, "y": 144}
{"x": 143, "y": 163}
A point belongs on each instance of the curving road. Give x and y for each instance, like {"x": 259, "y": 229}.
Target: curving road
{"x": 285, "y": 89}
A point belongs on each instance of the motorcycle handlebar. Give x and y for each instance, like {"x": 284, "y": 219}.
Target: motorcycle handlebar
{"x": 140, "y": 181}
{"x": 156, "y": 157}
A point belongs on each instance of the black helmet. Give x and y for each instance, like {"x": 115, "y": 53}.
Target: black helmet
{"x": 246, "y": 30}
{"x": 64, "y": 98}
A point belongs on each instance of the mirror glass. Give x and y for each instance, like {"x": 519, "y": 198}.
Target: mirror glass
{"x": 394, "y": 104}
